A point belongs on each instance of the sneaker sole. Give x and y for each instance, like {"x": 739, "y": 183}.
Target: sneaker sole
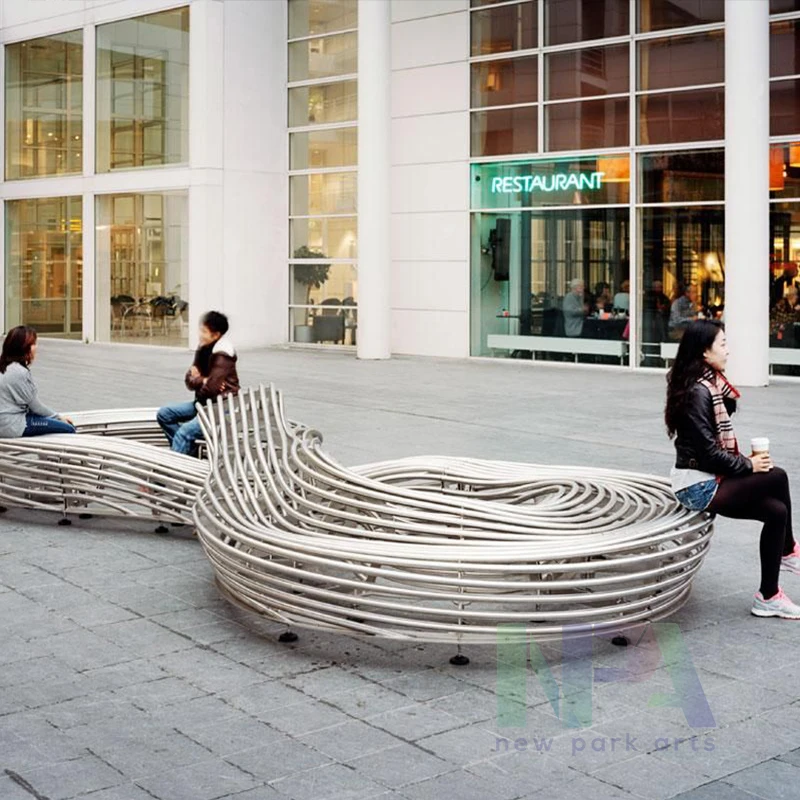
{"x": 786, "y": 568}
{"x": 757, "y": 612}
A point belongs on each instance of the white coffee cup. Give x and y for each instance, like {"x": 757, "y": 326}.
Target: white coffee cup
{"x": 759, "y": 444}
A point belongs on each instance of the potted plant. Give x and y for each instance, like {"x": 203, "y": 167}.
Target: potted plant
{"x": 311, "y": 275}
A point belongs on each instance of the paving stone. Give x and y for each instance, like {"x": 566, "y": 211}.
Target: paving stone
{"x": 583, "y": 786}
{"x": 131, "y": 672}
{"x": 99, "y": 612}
{"x": 97, "y": 708}
{"x": 306, "y": 717}
{"x": 204, "y": 781}
{"x": 717, "y": 790}
{"x": 143, "y": 600}
{"x": 279, "y": 758}
{"x": 196, "y": 712}
{"x": 161, "y": 751}
{"x": 264, "y": 792}
{"x": 34, "y": 729}
{"x": 67, "y": 779}
{"x": 333, "y": 782}
{"x": 722, "y": 752}
{"x": 350, "y": 740}
{"x": 232, "y": 735}
{"x": 464, "y": 785}
{"x": 415, "y": 722}
{"x": 210, "y": 671}
{"x": 463, "y": 745}
{"x": 772, "y": 780}
{"x": 261, "y": 698}
{"x": 425, "y": 685}
{"x": 326, "y": 682}
{"x": 39, "y": 670}
{"x": 371, "y": 700}
{"x": 158, "y": 693}
{"x": 125, "y": 791}
{"x": 84, "y": 650}
{"x": 472, "y": 705}
{"x": 38, "y": 695}
{"x": 528, "y": 768}
{"x": 793, "y": 757}
{"x": 12, "y": 790}
{"x": 398, "y": 766}
{"x": 141, "y": 637}
{"x": 649, "y": 777}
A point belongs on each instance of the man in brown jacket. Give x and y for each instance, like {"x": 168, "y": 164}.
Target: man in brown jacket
{"x": 212, "y": 373}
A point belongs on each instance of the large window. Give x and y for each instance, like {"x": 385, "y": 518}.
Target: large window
{"x": 554, "y": 282}
{"x": 142, "y": 273}
{"x": 592, "y": 78}
{"x": 682, "y": 237}
{"x": 44, "y": 265}
{"x": 143, "y": 91}
{"x": 44, "y": 106}
{"x": 323, "y": 147}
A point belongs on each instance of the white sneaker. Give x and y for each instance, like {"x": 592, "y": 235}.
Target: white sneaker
{"x": 778, "y": 606}
{"x": 791, "y": 563}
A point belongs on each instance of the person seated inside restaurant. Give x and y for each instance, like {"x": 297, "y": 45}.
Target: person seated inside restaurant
{"x": 683, "y": 310}
{"x": 783, "y": 317}
{"x": 782, "y": 284}
{"x": 622, "y": 299}
{"x": 603, "y": 301}
{"x": 575, "y": 308}
{"x": 656, "y": 312}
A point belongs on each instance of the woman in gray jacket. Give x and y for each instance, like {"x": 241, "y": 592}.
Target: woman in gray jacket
{"x": 21, "y": 412}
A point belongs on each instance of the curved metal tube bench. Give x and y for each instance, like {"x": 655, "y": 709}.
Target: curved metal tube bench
{"x": 111, "y": 467}
{"x": 434, "y": 549}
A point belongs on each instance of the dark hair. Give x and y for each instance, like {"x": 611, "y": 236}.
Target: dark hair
{"x": 688, "y": 366}
{"x": 215, "y": 322}
{"x": 17, "y": 347}
{"x": 680, "y": 289}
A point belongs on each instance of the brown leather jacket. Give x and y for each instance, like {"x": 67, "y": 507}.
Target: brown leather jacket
{"x": 217, "y": 367}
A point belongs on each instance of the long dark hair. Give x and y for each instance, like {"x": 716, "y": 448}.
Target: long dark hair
{"x": 17, "y": 347}
{"x": 688, "y": 366}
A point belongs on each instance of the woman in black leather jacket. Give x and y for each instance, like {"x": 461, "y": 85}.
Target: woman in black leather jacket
{"x": 711, "y": 474}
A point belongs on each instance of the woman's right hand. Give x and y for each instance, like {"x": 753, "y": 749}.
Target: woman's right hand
{"x": 761, "y": 462}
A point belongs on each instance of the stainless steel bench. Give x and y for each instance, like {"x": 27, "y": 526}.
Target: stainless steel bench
{"x": 434, "y": 548}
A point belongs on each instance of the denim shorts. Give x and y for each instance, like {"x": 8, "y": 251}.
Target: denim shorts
{"x": 697, "y": 496}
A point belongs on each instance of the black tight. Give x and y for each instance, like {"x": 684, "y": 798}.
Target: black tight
{"x": 763, "y": 496}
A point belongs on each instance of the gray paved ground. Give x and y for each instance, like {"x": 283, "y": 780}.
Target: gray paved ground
{"x": 124, "y": 676}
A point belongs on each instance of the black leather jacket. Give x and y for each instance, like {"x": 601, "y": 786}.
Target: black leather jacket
{"x": 696, "y": 445}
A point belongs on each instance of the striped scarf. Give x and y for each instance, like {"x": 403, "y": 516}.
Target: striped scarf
{"x": 720, "y": 388}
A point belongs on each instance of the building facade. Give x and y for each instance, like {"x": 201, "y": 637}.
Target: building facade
{"x": 548, "y": 179}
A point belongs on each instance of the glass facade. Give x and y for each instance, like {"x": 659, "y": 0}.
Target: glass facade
{"x": 596, "y": 183}
{"x": 142, "y": 91}
{"x": 142, "y": 268}
{"x": 140, "y": 272}
{"x": 44, "y": 106}
{"x": 637, "y": 107}
{"x": 44, "y": 265}
{"x": 323, "y": 157}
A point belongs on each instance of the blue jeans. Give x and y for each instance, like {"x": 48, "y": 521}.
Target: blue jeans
{"x": 36, "y": 425}
{"x": 181, "y": 426}
{"x": 697, "y": 496}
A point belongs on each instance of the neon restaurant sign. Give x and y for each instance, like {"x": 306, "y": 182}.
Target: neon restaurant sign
{"x": 556, "y": 182}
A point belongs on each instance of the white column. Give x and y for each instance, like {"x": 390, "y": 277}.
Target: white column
{"x": 206, "y": 289}
{"x": 94, "y": 317}
{"x": 747, "y": 190}
{"x": 90, "y": 310}
{"x": 374, "y": 173}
